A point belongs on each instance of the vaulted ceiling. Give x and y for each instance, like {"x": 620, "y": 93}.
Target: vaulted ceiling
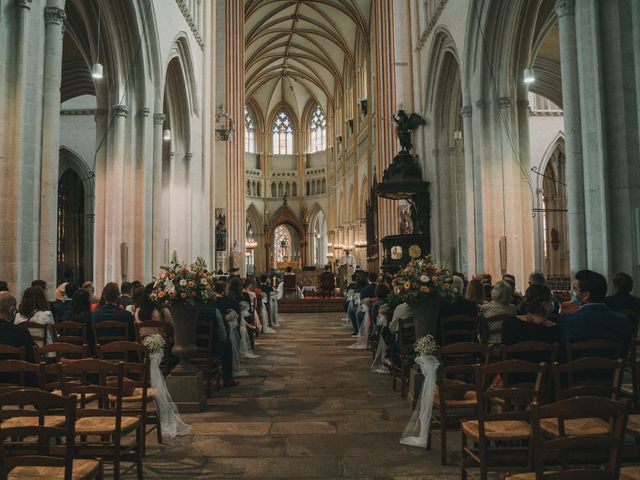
{"x": 297, "y": 50}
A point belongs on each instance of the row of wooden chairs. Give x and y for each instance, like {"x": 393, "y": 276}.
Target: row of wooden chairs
{"x": 112, "y": 400}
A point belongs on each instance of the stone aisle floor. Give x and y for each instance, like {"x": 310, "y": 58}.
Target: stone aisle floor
{"x": 310, "y": 409}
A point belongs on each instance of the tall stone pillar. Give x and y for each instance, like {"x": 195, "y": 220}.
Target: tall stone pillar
{"x": 157, "y": 238}
{"x": 54, "y": 18}
{"x": 469, "y": 180}
{"x": 565, "y": 9}
{"x": 479, "y": 146}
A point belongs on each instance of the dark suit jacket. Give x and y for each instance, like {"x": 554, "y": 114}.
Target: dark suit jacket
{"x": 266, "y": 288}
{"x": 16, "y": 336}
{"x": 368, "y": 291}
{"x": 113, "y": 313}
{"x": 596, "y": 321}
{"x": 622, "y": 301}
{"x": 60, "y": 309}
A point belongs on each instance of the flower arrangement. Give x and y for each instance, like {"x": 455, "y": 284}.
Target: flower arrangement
{"x": 154, "y": 343}
{"x": 231, "y": 315}
{"x": 423, "y": 278}
{"x": 183, "y": 284}
{"x": 426, "y": 345}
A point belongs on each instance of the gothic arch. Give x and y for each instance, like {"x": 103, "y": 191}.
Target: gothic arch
{"x": 181, "y": 51}
{"x": 284, "y": 215}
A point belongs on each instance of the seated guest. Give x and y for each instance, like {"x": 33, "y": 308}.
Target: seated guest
{"x": 43, "y": 285}
{"x": 459, "y": 306}
{"x": 327, "y": 281}
{"x": 224, "y": 301}
{"x": 516, "y": 297}
{"x": 9, "y": 333}
{"x": 380, "y": 297}
{"x": 110, "y": 311}
{"x": 221, "y": 343}
{"x": 369, "y": 289}
{"x": 486, "y": 281}
{"x": 80, "y": 309}
{"x": 126, "y": 289}
{"x": 289, "y": 278}
{"x": 623, "y": 299}
{"x": 35, "y": 308}
{"x": 88, "y": 286}
{"x": 475, "y": 292}
{"x": 353, "y": 309}
{"x": 264, "y": 285}
{"x": 594, "y": 320}
{"x": 137, "y": 297}
{"x": 533, "y": 323}
{"x": 149, "y": 311}
{"x": 65, "y": 292}
{"x": 499, "y": 305}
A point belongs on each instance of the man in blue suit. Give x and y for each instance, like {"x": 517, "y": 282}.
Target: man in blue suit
{"x": 594, "y": 320}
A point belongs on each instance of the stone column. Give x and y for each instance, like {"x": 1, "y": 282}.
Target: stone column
{"x": 54, "y": 18}
{"x": 470, "y": 202}
{"x": 478, "y": 155}
{"x": 115, "y": 195}
{"x": 565, "y": 9}
{"x": 157, "y": 238}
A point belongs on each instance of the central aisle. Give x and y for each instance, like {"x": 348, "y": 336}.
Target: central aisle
{"x": 310, "y": 409}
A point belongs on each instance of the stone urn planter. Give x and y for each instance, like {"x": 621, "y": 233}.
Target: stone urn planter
{"x": 425, "y": 313}
{"x": 185, "y": 321}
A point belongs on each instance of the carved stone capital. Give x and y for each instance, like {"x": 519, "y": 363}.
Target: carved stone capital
{"x": 24, "y": 4}
{"x": 466, "y": 111}
{"x": 145, "y": 112}
{"x": 54, "y": 15}
{"x": 481, "y": 104}
{"x": 159, "y": 118}
{"x": 505, "y": 103}
{"x": 565, "y": 7}
{"x": 120, "y": 110}
{"x": 524, "y": 104}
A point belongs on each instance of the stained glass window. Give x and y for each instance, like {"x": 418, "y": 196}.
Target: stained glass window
{"x": 281, "y": 243}
{"x": 249, "y": 132}
{"x": 317, "y": 131}
{"x": 282, "y": 135}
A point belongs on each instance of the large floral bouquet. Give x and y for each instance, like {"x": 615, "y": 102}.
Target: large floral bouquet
{"x": 423, "y": 278}
{"x": 183, "y": 284}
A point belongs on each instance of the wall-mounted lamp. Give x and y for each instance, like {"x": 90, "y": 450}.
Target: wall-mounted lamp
{"x": 97, "y": 71}
{"x": 224, "y": 125}
{"x": 457, "y": 135}
{"x": 528, "y": 75}
{"x": 166, "y": 135}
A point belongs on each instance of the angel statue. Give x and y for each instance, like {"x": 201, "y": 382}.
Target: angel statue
{"x": 405, "y": 123}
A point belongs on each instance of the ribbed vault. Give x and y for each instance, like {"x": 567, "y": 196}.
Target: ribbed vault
{"x": 298, "y": 51}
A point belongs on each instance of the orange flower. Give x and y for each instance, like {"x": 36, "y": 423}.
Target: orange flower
{"x": 192, "y": 285}
{"x": 407, "y": 285}
{"x": 183, "y": 295}
{"x": 424, "y": 289}
{"x": 162, "y": 293}
{"x": 445, "y": 286}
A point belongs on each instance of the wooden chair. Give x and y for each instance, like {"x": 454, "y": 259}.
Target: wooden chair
{"x": 576, "y": 379}
{"x": 290, "y": 289}
{"x": 634, "y": 316}
{"x": 494, "y": 439}
{"x": 491, "y": 328}
{"x": 37, "y": 330}
{"x": 401, "y": 365}
{"x": 121, "y": 351}
{"x": 590, "y": 457}
{"x": 59, "y": 351}
{"x": 542, "y": 351}
{"x": 458, "y": 328}
{"x": 327, "y": 284}
{"x": 109, "y": 331}
{"x": 9, "y": 352}
{"x": 69, "y": 332}
{"x": 52, "y": 454}
{"x": 19, "y": 372}
{"x": 207, "y": 359}
{"x": 594, "y": 348}
{"x": 101, "y": 429}
{"x": 455, "y": 397}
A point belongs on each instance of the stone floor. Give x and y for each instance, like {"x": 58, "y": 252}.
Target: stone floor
{"x": 310, "y": 409}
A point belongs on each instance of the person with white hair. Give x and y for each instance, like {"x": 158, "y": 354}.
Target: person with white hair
{"x": 492, "y": 314}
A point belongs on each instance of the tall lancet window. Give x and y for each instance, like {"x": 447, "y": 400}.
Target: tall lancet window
{"x": 282, "y": 135}
{"x": 317, "y": 131}
{"x": 249, "y": 132}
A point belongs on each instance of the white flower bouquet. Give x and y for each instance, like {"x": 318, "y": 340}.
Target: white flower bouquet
{"x": 426, "y": 345}
{"x": 231, "y": 315}
{"x": 154, "y": 343}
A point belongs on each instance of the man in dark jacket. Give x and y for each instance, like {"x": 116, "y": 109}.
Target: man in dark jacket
{"x": 14, "y": 336}
{"x": 594, "y": 320}
{"x": 110, "y": 311}
{"x": 623, "y": 299}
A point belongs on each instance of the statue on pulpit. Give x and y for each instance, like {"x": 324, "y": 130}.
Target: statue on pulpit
{"x": 404, "y": 124}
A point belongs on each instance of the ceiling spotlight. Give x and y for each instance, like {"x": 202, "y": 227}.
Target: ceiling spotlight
{"x": 97, "y": 71}
{"x": 528, "y": 75}
{"x": 167, "y": 135}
